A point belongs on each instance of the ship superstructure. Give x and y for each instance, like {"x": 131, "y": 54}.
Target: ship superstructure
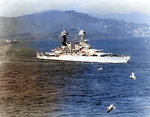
{"x": 80, "y": 51}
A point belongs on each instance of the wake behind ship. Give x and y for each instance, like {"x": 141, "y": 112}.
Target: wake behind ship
{"x": 80, "y": 51}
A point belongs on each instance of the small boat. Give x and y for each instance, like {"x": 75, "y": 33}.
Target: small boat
{"x": 11, "y": 41}
{"x": 80, "y": 51}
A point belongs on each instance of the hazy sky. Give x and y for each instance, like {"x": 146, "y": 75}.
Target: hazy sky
{"x": 21, "y": 7}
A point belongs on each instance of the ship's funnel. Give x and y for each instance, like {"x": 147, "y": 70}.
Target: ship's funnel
{"x": 82, "y": 35}
{"x": 64, "y": 33}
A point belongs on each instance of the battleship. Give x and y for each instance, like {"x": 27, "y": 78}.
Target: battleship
{"x": 80, "y": 51}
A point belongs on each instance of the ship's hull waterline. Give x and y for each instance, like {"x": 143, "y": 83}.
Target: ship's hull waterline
{"x": 108, "y": 59}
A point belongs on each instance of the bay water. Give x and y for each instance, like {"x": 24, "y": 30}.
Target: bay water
{"x": 30, "y": 87}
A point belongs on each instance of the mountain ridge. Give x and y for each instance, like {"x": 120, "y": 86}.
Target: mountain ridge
{"x": 128, "y": 17}
{"x": 49, "y": 24}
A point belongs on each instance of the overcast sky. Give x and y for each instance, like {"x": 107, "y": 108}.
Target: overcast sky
{"x": 11, "y": 8}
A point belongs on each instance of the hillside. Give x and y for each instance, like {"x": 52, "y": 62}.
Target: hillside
{"x": 129, "y": 17}
{"x": 49, "y": 24}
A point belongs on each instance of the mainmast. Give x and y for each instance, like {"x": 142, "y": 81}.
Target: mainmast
{"x": 82, "y": 35}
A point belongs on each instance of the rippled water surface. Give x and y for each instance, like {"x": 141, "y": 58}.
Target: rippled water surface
{"x": 29, "y": 87}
